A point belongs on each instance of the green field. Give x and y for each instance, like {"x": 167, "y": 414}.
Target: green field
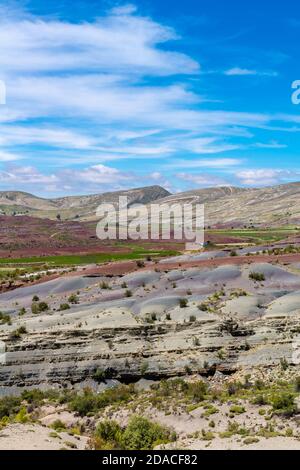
{"x": 257, "y": 235}
{"x": 77, "y": 260}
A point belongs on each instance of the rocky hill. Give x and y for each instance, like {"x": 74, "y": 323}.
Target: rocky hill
{"x": 73, "y": 207}
{"x": 238, "y": 207}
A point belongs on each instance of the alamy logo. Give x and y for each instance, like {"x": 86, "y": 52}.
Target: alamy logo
{"x": 2, "y": 92}
{"x": 296, "y": 93}
{"x": 2, "y": 353}
{"x": 296, "y": 350}
{"x": 152, "y": 222}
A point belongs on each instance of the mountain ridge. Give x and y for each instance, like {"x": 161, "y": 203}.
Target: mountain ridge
{"x": 224, "y": 206}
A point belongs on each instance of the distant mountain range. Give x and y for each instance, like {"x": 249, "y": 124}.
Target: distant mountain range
{"x": 224, "y": 206}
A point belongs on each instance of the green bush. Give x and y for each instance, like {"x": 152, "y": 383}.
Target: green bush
{"x": 99, "y": 375}
{"x": 43, "y": 307}
{"x": 197, "y": 391}
{"x": 73, "y": 299}
{"x": 88, "y": 402}
{"x": 284, "y": 404}
{"x": 259, "y": 277}
{"x": 58, "y": 425}
{"x": 39, "y": 307}
{"x": 63, "y": 307}
{"x": 17, "y": 334}
{"x": 9, "y": 406}
{"x": 142, "y": 434}
{"x": 4, "y": 318}
{"x": 109, "y": 431}
{"x": 183, "y": 303}
{"x": 297, "y": 384}
{"x": 104, "y": 285}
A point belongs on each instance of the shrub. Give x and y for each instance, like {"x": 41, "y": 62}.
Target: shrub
{"x": 73, "y": 299}
{"x": 16, "y": 334}
{"x": 22, "y": 416}
{"x": 140, "y": 264}
{"x": 251, "y": 440}
{"x": 35, "y": 308}
{"x": 237, "y": 409}
{"x": 297, "y": 384}
{"x": 39, "y": 307}
{"x": 104, "y": 285}
{"x": 284, "y": 363}
{"x": 128, "y": 293}
{"x": 89, "y": 403}
{"x": 58, "y": 425}
{"x": 9, "y": 406}
{"x": 259, "y": 277}
{"x": 203, "y": 307}
{"x": 4, "y": 318}
{"x": 183, "y": 303}
{"x": 142, "y": 434}
{"x": 284, "y": 404}
{"x": 197, "y": 391}
{"x": 43, "y": 307}
{"x": 99, "y": 375}
{"x": 64, "y": 307}
{"x": 144, "y": 367}
{"x": 111, "y": 432}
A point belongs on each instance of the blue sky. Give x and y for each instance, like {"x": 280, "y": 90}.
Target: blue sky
{"x": 104, "y": 95}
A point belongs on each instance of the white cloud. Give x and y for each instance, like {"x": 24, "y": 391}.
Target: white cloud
{"x": 98, "y": 174}
{"x": 117, "y": 42}
{"x": 265, "y": 176}
{"x": 238, "y": 71}
{"x": 202, "y": 180}
{"x": 25, "y": 175}
{"x": 270, "y": 145}
{"x": 8, "y": 156}
{"x": 205, "y": 163}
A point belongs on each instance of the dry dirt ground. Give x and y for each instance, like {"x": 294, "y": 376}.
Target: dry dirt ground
{"x": 37, "y": 437}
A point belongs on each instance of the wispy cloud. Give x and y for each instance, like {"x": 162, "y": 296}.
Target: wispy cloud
{"x": 206, "y": 163}
{"x": 202, "y": 180}
{"x": 238, "y": 71}
{"x": 266, "y": 176}
{"x": 82, "y": 96}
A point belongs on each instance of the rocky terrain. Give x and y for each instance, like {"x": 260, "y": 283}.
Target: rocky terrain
{"x": 238, "y": 207}
{"x": 157, "y": 322}
{"x": 227, "y": 321}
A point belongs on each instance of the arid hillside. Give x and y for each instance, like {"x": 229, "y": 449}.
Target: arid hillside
{"x": 73, "y": 207}
{"x": 224, "y": 206}
{"x": 238, "y": 207}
